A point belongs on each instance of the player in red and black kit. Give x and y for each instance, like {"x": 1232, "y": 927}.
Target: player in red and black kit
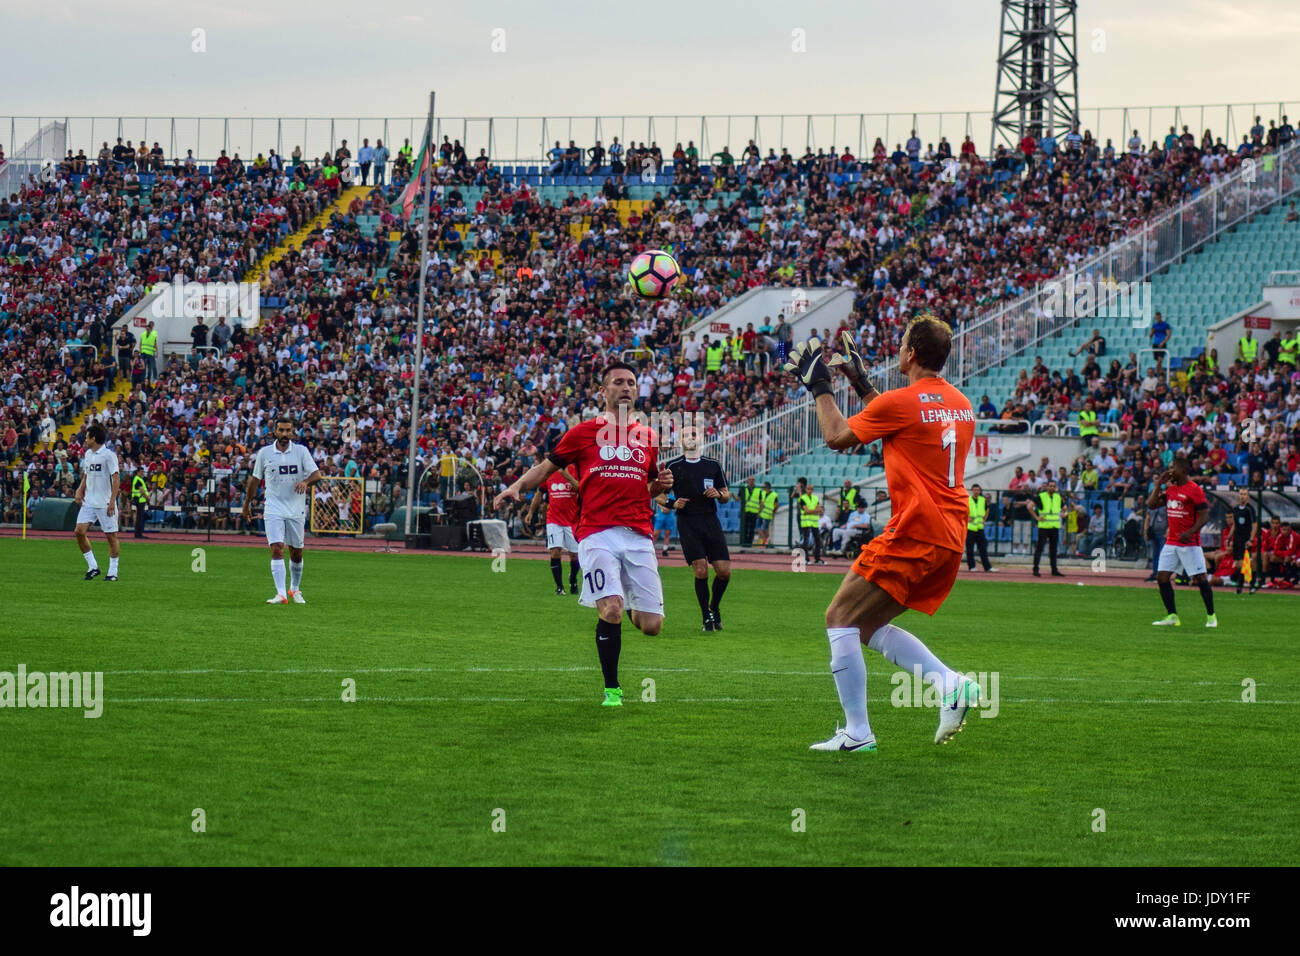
{"x": 561, "y": 493}
{"x": 1188, "y": 510}
{"x": 618, "y": 473}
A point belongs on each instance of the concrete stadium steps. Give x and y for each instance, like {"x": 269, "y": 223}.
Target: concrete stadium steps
{"x": 1221, "y": 279}
{"x": 114, "y": 394}
{"x": 296, "y": 239}
{"x": 826, "y": 469}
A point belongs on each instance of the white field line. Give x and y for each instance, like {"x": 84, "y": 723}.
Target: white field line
{"x": 877, "y": 674}
{"x": 676, "y": 700}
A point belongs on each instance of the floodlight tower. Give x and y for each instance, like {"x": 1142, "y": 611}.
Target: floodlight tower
{"x": 1038, "y": 70}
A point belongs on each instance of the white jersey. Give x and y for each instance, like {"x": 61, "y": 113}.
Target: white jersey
{"x": 99, "y": 467}
{"x": 282, "y": 471}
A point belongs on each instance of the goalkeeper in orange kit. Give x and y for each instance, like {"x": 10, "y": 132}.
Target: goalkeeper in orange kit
{"x": 926, "y": 429}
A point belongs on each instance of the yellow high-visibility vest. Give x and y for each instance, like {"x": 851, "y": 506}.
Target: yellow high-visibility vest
{"x": 808, "y": 520}
{"x": 1087, "y": 423}
{"x": 149, "y": 343}
{"x": 753, "y": 499}
{"x": 770, "y": 501}
{"x": 139, "y": 489}
{"x": 713, "y": 362}
{"x": 1249, "y": 348}
{"x": 1049, "y": 510}
{"x": 1288, "y": 349}
{"x": 978, "y": 509}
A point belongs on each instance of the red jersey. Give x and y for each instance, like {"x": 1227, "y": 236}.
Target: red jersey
{"x": 1181, "y": 502}
{"x": 926, "y": 430}
{"x": 614, "y": 477}
{"x": 562, "y": 500}
{"x": 1285, "y": 543}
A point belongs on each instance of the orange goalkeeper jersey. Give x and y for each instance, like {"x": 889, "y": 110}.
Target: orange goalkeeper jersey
{"x": 926, "y": 430}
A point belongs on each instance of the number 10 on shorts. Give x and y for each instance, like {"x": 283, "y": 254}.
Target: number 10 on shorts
{"x": 595, "y": 580}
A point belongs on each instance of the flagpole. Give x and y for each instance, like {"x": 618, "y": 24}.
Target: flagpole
{"x": 427, "y": 151}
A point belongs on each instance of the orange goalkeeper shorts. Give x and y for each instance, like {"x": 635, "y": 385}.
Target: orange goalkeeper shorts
{"x": 914, "y": 573}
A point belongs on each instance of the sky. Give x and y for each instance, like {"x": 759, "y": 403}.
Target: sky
{"x": 507, "y": 58}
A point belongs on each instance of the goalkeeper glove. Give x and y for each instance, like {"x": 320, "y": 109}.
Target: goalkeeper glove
{"x": 806, "y": 364}
{"x": 849, "y": 361}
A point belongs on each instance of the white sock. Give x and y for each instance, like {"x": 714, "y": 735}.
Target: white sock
{"x": 850, "y": 673}
{"x": 295, "y": 574}
{"x": 112, "y": 566}
{"x": 91, "y": 563}
{"x": 277, "y": 572}
{"x": 907, "y": 651}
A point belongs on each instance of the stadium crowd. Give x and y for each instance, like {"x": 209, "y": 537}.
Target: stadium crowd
{"x": 527, "y": 298}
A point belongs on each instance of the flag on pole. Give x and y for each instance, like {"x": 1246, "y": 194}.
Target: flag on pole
{"x": 1247, "y": 572}
{"x": 406, "y": 201}
{"x": 27, "y": 484}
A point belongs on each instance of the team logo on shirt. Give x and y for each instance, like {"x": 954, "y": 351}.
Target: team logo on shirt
{"x": 930, "y": 397}
{"x": 94, "y": 466}
{"x": 621, "y": 452}
{"x": 288, "y": 469}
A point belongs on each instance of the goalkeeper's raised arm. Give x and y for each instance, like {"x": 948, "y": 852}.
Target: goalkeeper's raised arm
{"x": 809, "y": 362}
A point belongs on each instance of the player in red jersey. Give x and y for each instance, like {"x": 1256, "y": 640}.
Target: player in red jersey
{"x": 561, "y": 493}
{"x": 926, "y": 428}
{"x": 617, "y": 463}
{"x": 1188, "y": 510}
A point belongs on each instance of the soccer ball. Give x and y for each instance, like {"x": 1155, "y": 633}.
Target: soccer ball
{"x": 654, "y": 273}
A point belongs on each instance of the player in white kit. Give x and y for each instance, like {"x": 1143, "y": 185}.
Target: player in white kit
{"x": 97, "y": 496}
{"x": 289, "y": 471}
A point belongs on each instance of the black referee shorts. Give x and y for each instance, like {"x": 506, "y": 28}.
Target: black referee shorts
{"x": 1239, "y": 548}
{"x": 701, "y": 537}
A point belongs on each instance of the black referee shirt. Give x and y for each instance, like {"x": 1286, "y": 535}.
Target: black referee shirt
{"x": 1243, "y": 516}
{"x": 691, "y": 478}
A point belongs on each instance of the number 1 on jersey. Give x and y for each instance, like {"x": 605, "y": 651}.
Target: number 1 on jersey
{"x": 950, "y": 442}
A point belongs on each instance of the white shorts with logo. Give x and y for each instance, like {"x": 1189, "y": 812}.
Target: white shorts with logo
{"x": 620, "y": 562}
{"x": 1189, "y": 556}
{"x": 561, "y": 536}
{"x": 89, "y": 515}
{"x": 284, "y": 531}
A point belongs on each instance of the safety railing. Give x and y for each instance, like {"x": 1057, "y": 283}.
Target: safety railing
{"x": 80, "y": 347}
{"x": 514, "y": 139}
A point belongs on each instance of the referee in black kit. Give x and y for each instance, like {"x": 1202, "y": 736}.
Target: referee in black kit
{"x": 698, "y": 484}
{"x": 1244, "y": 526}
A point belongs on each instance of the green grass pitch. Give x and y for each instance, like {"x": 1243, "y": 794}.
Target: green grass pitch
{"x": 478, "y": 702}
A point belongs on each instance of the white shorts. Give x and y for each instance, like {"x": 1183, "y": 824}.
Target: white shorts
{"x": 619, "y": 562}
{"x": 561, "y": 536}
{"x": 107, "y": 522}
{"x": 283, "y": 531}
{"x": 1190, "y": 556}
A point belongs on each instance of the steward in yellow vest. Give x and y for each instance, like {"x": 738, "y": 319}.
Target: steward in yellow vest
{"x": 751, "y": 500}
{"x": 1288, "y": 349}
{"x": 769, "y": 500}
{"x": 975, "y": 538}
{"x": 1047, "y": 512}
{"x": 1088, "y": 421}
{"x": 1247, "y": 347}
